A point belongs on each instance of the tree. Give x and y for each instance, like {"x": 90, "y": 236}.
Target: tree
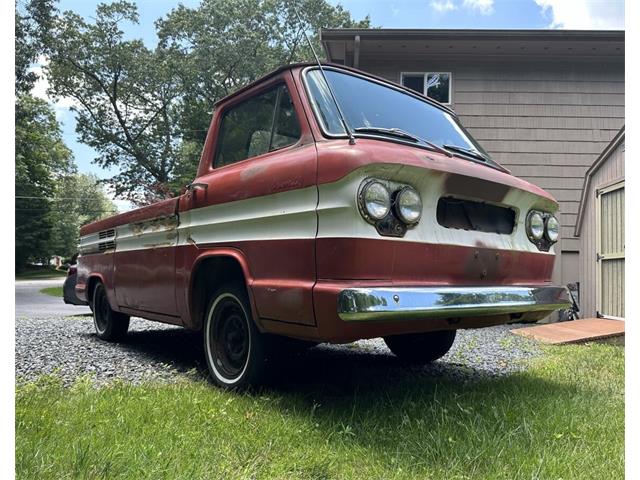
{"x": 79, "y": 199}
{"x": 41, "y": 160}
{"x": 33, "y": 24}
{"x": 125, "y": 97}
{"x": 223, "y": 46}
{"x": 146, "y": 111}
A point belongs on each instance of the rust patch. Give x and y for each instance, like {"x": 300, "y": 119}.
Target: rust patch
{"x": 158, "y": 245}
{"x": 250, "y": 172}
{"x": 166, "y": 222}
{"x": 475, "y": 188}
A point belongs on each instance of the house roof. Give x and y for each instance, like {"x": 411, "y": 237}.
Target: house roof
{"x": 548, "y": 44}
{"x": 617, "y": 140}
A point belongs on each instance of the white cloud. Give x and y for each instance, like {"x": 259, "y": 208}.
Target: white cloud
{"x": 443, "y": 5}
{"x": 484, "y": 7}
{"x": 584, "y": 14}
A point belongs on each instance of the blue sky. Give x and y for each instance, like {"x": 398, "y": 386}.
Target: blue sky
{"x": 499, "y": 14}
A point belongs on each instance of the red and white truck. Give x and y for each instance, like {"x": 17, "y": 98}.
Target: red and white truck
{"x": 329, "y": 206}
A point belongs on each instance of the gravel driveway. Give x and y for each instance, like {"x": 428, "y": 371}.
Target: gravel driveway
{"x": 68, "y": 347}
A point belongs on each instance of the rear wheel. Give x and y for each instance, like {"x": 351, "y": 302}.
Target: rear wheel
{"x": 421, "y": 348}
{"x": 110, "y": 325}
{"x": 235, "y": 350}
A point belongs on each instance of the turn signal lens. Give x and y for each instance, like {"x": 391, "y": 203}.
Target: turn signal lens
{"x": 535, "y": 225}
{"x": 408, "y": 205}
{"x": 376, "y": 200}
{"x": 552, "y": 229}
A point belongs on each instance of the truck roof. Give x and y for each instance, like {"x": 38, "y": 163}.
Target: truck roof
{"x": 295, "y": 66}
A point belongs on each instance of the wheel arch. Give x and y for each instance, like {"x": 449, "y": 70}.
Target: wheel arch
{"x": 92, "y": 281}
{"x": 212, "y": 270}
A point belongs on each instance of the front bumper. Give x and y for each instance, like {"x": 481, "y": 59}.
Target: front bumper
{"x": 409, "y": 303}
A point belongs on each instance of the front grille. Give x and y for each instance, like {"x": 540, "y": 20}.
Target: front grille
{"x": 470, "y": 215}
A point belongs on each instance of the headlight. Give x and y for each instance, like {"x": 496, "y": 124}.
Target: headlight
{"x": 535, "y": 225}
{"x": 375, "y": 200}
{"x": 552, "y": 229}
{"x": 408, "y": 205}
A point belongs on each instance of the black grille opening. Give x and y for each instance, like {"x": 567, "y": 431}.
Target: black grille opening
{"x": 107, "y": 234}
{"x": 479, "y": 216}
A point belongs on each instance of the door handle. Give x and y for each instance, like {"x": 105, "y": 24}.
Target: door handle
{"x": 194, "y": 186}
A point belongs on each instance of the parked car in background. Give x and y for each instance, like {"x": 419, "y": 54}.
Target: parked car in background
{"x": 69, "y": 287}
{"x": 328, "y": 214}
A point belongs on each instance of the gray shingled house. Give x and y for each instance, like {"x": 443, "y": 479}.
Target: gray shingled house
{"x": 544, "y": 103}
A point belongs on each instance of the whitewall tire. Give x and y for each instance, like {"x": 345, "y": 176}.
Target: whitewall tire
{"x": 233, "y": 346}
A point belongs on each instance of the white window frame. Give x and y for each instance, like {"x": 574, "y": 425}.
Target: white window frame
{"x": 424, "y": 82}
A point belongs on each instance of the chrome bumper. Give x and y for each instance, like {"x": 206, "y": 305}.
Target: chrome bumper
{"x": 389, "y": 303}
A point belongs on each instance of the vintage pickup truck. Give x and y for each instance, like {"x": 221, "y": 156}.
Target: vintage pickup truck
{"x": 329, "y": 206}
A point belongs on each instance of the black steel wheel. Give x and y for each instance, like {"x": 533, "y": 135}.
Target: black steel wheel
{"x": 421, "y": 348}
{"x": 110, "y": 325}
{"x": 234, "y": 348}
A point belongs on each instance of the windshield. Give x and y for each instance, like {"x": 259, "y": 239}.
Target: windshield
{"x": 368, "y": 104}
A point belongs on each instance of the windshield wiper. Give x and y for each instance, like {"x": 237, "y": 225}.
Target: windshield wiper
{"x": 394, "y": 132}
{"x": 467, "y": 151}
{"x": 397, "y": 132}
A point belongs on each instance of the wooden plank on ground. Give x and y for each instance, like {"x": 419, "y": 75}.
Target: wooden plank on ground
{"x": 574, "y": 331}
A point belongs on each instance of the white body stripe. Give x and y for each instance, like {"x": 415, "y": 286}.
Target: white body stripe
{"x": 153, "y": 233}
{"x": 286, "y": 215}
{"x": 338, "y": 215}
{"x": 298, "y": 214}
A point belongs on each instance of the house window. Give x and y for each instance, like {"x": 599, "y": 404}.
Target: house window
{"x": 435, "y": 85}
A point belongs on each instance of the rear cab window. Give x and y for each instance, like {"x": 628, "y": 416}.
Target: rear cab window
{"x": 261, "y": 124}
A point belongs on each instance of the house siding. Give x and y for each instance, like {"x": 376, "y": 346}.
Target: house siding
{"x": 609, "y": 171}
{"x": 545, "y": 121}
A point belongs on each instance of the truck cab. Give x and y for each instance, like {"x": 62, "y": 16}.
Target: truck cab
{"x": 329, "y": 205}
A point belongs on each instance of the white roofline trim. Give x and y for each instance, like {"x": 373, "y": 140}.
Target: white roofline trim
{"x": 617, "y": 140}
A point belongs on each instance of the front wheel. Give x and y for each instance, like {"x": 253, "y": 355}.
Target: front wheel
{"x": 235, "y": 350}
{"x": 421, "y": 348}
{"x": 110, "y": 325}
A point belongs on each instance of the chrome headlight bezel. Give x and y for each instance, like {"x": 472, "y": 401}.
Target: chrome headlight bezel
{"x": 541, "y": 235}
{"x": 393, "y": 223}
{"x": 403, "y": 211}
{"x": 535, "y": 226}
{"x": 552, "y": 237}
{"x": 365, "y": 201}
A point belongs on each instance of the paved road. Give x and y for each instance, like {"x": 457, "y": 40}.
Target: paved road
{"x": 31, "y": 303}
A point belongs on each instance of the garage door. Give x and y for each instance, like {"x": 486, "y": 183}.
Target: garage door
{"x": 610, "y": 206}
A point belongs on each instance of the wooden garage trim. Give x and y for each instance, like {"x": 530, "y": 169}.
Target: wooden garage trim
{"x": 617, "y": 140}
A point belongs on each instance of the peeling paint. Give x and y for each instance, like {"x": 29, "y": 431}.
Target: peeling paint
{"x": 166, "y": 222}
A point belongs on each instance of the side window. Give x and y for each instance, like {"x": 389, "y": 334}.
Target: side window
{"x": 286, "y": 130}
{"x": 259, "y": 125}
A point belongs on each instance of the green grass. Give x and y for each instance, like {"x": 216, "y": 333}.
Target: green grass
{"x": 40, "y": 273}
{"x": 53, "y": 291}
{"x": 561, "y": 419}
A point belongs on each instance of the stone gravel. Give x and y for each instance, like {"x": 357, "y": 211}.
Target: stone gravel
{"x": 68, "y": 347}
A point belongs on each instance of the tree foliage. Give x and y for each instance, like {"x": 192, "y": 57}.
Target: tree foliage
{"x": 79, "y": 199}
{"x": 52, "y": 200}
{"x": 41, "y": 160}
{"x": 146, "y": 111}
{"x": 33, "y": 24}
{"x": 126, "y": 97}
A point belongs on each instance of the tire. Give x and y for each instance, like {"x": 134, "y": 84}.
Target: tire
{"x": 110, "y": 325}
{"x": 421, "y": 348}
{"x": 234, "y": 348}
